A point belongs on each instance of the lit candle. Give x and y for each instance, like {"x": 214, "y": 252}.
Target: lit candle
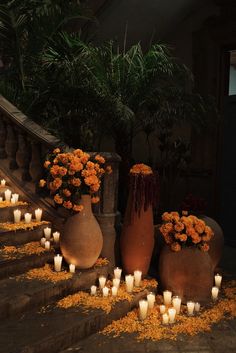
{"x": 42, "y": 241}
{"x": 190, "y": 307}
{"x": 102, "y": 281}
{"x": 16, "y": 197}
{"x": 143, "y": 309}
{"x": 105, "y": 291}
{"x": 114, "y": 290}
{"x": 38, "y": 214}
{"x": 167, "y": 297}
{"x": 116, "y": 282}
{"x": 56, "y": 236}
{"x": 176, "y": 301}
{"x": 129, "y": 281}
{"x": 165, "y": 319}
{"x": 3, "y": 182}
{"x": 7, "y": 195}
{"x": 1, "y": 199}
{"x": 13, "y": 200}
{"x": 17, "y": 216}
{"x": 215, "y": 292}
{"x": 137, "y": 278}
{"x": 218, "y": 279}
{"x": 151, "y": 300}
{"x": 93, "y": 290}
{"x": 47, "y": 232}
{"x": 72, "y": 268}
{"x": 197, "y": 307}
{"x": 57, "y": 262}
{"x": 117, "y": 272}
{"x": 172, "y": 314}
{"x": 162, "y": 309}
{"x": 28, "y": 217}
{"x": 47, "y": 245}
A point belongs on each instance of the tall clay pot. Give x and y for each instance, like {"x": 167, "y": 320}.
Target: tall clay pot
{"x": 187, "y": 273}
{"x": 82, "y": 240}
{"x": 137, "y": 236}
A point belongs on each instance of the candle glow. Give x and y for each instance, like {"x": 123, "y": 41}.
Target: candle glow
{"x": 57, "y": 262}
{"x": 137, "y": 278}
{"x": 167, "y": 297}
{"x": 129, "y": 281}
{"x": 17, "y": 216}
{"x": 143, "y": 309}
{"x": 117, "y": 272}
{"x": 38, "y": 214}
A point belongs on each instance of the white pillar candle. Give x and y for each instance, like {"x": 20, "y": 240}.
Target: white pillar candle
{"x": 151, "y": 300}
{"x": 47, "y": 245}
{"x": 117, "y": 272}
{"x": 28, "y": 217}
{"x": 17, "y": 216}
{"x": 56, "y": 236}
{"x": 172, "y": 314}
{"x": 218, "y": 279}
{"x": 16, "y": 197}
{"x": 165, "y": 319}
{"x": 57, "y": 262}
{"x": 1, "y": 199}
{"x": 47, "y": 232}
{"x": 114, "y": 290}
{"x": 137, "y": 278}
{"x": 214, "y": 293}
{"x": 197, "y": 307}
{"x": 13, "y": 200}
{"x": 3, "y": 182}
{"x": 105, "y": 291}
{"x": 42, "y": 241}
{"x": 116, "y": 282}
{"x": 102, "y": 281}
{"x": 129, "y": 281}
{"x": 167, "y": 297}
{"x": 143, "y": 309}
{"x": 190, "y": 307}
{"x": 93, "y": 290}
{"x": 7, "y": 195}
{"x": 162, "y": 309}
{"x": 72, "y": 268}
{"x": 38, "y": 214}
{"x": 176, "y": 301}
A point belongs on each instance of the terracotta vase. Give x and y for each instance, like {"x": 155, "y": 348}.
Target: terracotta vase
{"x": 187, "y": 273}
{"x": 82, "y": 239}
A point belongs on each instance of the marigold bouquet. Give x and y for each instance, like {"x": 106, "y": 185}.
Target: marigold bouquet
{"x": 185, "y": 231}
{"x": 72, "y": 174}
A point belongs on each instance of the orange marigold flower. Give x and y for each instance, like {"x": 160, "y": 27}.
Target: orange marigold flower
{"x": 67, "y": 204}
{"x": 179, "y": 227}
{"x": 84, "y": 158}
{"x": 55, "y": 184}
{"x": 78, "y": 152}
{"x": 58, "y": 199}
{"x": 100, "y": 159}
{"x": 204, "y": 247}
{"x": 168, "y": 238}
{"x": 76, "y": 182}
{"x": 95, "y": 199}
{"x": 66, "y": 192}
{"x": 166, "y": 217}
{"x": 42, "y": 183}
{"x": 56, "y": 150}
{"x": 181, "y": 236}
{"x": 90, "y": 180}
{"x": 62, "y": 171}
{"x": 63, "y": 158}
{"x": 199, "y": 228}
{"x": 54, "y": 170}
{"x": 78, "y": 208}
{"x": 108, "y": 169}
{"x": 175, "y": 247}
{"x": 95, "y": 187}
{"x": 46, "y": 164}
{"x": 141, "y": 169}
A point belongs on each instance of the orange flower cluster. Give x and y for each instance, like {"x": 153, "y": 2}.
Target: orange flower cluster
{"x": 72, "y": 174}
{"x": 141, "y": 169}
{"x": 186, "y": 230}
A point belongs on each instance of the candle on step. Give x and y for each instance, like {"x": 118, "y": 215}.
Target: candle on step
{"x": 28, "y": 217}
{"x": 172, "y": 314}
{"x": 7, "y": 195}
{"x": 190, "y": 308}
{"x": 129, "y": 281}
{"x": 167, "y": 297}
{"x": 42, "y": 241}
{"x": 143, "y": 309}
{"x": 117, "y": 272}
{"x": 165, "y": 319}
{"x": 47, "y": 232}
{"x": 47, "y": 245}
{"x": 137, "y": 278}
{"x": 56, "y": 236}
{"x": 176, "y": 301}
{"x": 162, "y": 309}
{"x": 16, "y": 197}
{"x": 13, "y": 200}
{"x": 116, "y": 282}
{"x": 151, "y": 300}
{"x": 38, "y": 214}
{"x": 218, "y": 279}
{"x": 72, "y": 268}
{"x": 105, "y": 291}
{"x": 17, "y": 216}
{"x": 114, "y": 291}
{"x": 93, "y": 290}
{"x": 3, "y": 183}
{"x": 197, "y": 307}
{"x": 102, "y": 281}
{"x": 57, "y": 263}
{"x": 1, "y": 199}
{"x": 214, "y": 293}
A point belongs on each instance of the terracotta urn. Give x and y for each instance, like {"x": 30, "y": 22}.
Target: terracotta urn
{"x": 82, "y": 240}
{"x": 188, "y": 273}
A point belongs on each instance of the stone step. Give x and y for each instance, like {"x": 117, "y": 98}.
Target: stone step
{"x": 54, "y": 329}
{"x": 6, "y": 213}
{"x": 21, "y": 236}
{"x": 22, "y": 293}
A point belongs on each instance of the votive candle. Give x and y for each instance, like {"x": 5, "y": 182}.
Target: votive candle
{"x": 7, "y": 195}
{"x": 129, "y": 281}
{"x": 105, "y": 291}
{"x": 17, "y": 216}
{"x": 151, "y": 300}
{"x": 42, "y": 241}
{"x": 137, "y": 278}
{"x": 93, "y": 290}
{"x": 38, "y": 214}
{"x": 197, "y": 307}
{"x": 47, "y": 232}
{"x": 165, "y": 319}
{"x": 116, "y": 282}
{"x": 214, "y": 293}
{"x": 114, "y": 291}
{"x": 218, "y": 279}
{"x": 102, "y": 281}
{"x": 167, "y": 297}
{"x": 16, "y": 197}
{"x": 176, "y": 301}
{"x": 47, "y": 245}
{"x": 57, "y": 262}
{"x": 3, "y": 182}
{"x": 72, "y": 268}
{"x": 13, "y": 200}
{"x": 28, "y": 217}
{"x": 143, "y": 309}
{"x": 190, "y": 308}
{"x": 1, "y": 199}
{"x": 56, "y": 236}
{"x": 162, "y": 309}
{"x": 117, "y": 272}
{"x": 172, "y": 314}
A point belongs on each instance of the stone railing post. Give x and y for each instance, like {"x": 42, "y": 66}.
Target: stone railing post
{"x": 11, "y": 146}
{"x": 23, "y": 156}
{"x": 3, "y": 135}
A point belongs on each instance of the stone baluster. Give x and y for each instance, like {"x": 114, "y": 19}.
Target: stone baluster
{"x": 23, "y": 156}
{"x": 11, "y": 146}
{"x": 36, "y": 164}
{"x": 3, "y": 135}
